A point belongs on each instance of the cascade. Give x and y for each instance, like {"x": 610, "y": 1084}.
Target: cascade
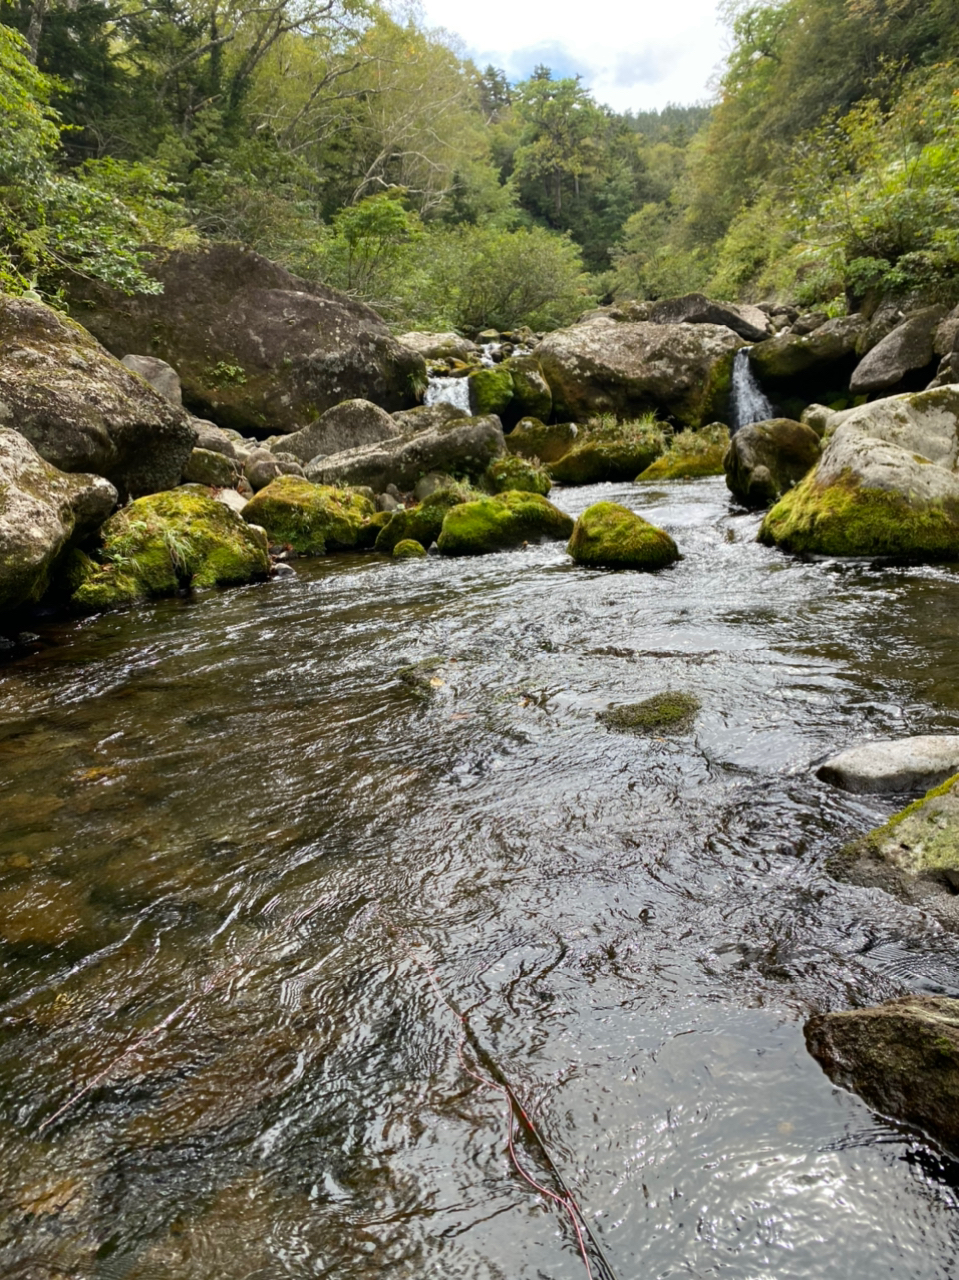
{"x": 454, "y": 391}
{"x": 747, "y": 402}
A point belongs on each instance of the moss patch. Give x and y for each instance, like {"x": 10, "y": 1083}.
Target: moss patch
{"x": 409, "y": 549}
{"x": 496, "y": 524}
{"x": 665, "y": 712}
{"x": 921, "y": 839}
{"x": 521, "y": 474}
{"x": 612, "y": 537}
{"x": 610, "y": 451}
{"x": 423, "y": 523}
{"x": 845, "y": 519}
{"x": 491, "y": 390}
{"x": 691, "y": 453}
{"x": 310, "y": 518}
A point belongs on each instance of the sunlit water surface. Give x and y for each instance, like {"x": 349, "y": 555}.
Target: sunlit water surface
{"x": 248, "y": 872}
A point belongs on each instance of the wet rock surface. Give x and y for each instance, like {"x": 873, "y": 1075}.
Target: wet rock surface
{"x": 903, "y": 764}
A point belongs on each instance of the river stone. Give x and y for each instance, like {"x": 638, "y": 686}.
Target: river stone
{"x": 532, "y": 397}
{"x": 83, "y": 410}
{"x": 901, "y": 764}
{"x": 312, "y": 519}
{"x": 230, "y": 498}
{"x": 440, "y": 346}
{"x": 788, "y": 355}
{"x": 345, "y": 426}
{"x": 531, "y": 438}
{"x": 42, "y": 511}
{"x": 908, "y": 347}
{"x": 609, "y": 536}
{"x": 765, "y": 459}
{"x": 609, "y": 453}
{"x": 521, "y": 474}
{"x": 465, "y": 446}
{"x": 631, "y": 369}
{"x": 256, "y": 348}
{"x": 496, "y": 524}
{"x": 409, "y": 549}
{"x": 695, "y": 308}
{"x": 210, "y": 436}
{"x": 886, "y": 484}
{"x": 426, "y": 416}
{"x": 423, "y": 523}
{"x": 263, "y": 466}
{"x": 691, "y": 453}
{"x": 161, "y": 376}
{"x": 206, "y": 466}
{"x": 901, "y": 1057}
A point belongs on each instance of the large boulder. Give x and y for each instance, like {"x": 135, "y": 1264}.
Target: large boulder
{"x": 629, "y": 369}
{"x": 497, "y": 524}
{"x": 898, "y": 764}
{"x": 168, "y": 542}
{"x": 344, "y": 426}
{"x": 766, "y": 459}
{"x": 462, "y": 446}
{"x": 83, "y": 410}
{"x": 491, "y": 389}
{"x": 608, "y": 536}
{"x": 618, "y": 451}
{"x": 531, "y": 438}
{"x": 909, "y": 348}
{"x": 901, "y": 1057}
{"x": 312, "y": 519}
{"x": 42, "y": 512}
{"x": 691, "y": 453}
{"x": 886, "y": 484}
{"x": 914, "y": 856}
{"x": 695, "y": 308}
{"x": 256, "y": 348}
{"x": 825, "y": 351}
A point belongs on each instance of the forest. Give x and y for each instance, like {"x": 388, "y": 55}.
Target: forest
{"x": 364, "y": 151}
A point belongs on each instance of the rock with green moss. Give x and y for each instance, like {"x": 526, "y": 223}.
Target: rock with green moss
{"x": 513, "y": 472}
{"x": 531, "y": 438}
{"x": 691, "y": 453}
{"x": 766, "y": 459}
{"x": 423, "y": 523}
{"x": 901, "y": 1057}
{"x": 668, "y": 712}
{"x": 531, "y": 394}
{"x": 608, "y": 536}
{"x": 491, "y": 390}
{"x": 886, "y": 484}
{"x": 211, "y": 468}
{"x": 610, "y": 450}
{"x": 43, "y": 512}
{"x": 499, "y": 523}
{"x": 409, "y": 549}
{"x": 164, "y": 543}
{"x": 312, "y": 519}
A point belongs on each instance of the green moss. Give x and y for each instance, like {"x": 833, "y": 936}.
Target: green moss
{"x": 610, "y": 451}
{"x": 845, "y": 519}
{"x": 371, "y": 528}
{"x": 409, "y": 549}
{"x": 669, "y": 711}
{"x": 517, "y": 473}
{"x": 921, "y": 838}
{"x": 310, "y": 518}
{"x": 165, "y": 542}
{"x": 495, "y": 524}
{"x": 612, "y": 537}
{"x": 531, "y": 393}
{"x": 530, "y": 438}
{"x": 423, "y": 523}
{"x": 691, "y": 453}
{"x": 491, "y": 390}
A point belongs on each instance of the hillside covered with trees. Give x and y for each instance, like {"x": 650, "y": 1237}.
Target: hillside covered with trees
{"x": 366, "y": 152}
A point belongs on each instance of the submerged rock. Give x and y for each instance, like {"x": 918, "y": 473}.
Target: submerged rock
{"x": 81, "y": 409}
{"x": 499, "y": 523}
{"x": 312, "y": 519}
{"x": 901, "y": 1057}
{"x": 164, "y": 543}
{"x": 609, "y": 536}
{"x": 344, "y": 426}
{"x": 886, "y": 484}
{"x": 901, "y": 764}
{"x": 664, "y": 712}
{"x": 42, "y": 512}
{"x": 691, "y": 453}
{"x": 615, "y": 451}
{"x": 513, "y": 472}
{"x": 766, "y": 459}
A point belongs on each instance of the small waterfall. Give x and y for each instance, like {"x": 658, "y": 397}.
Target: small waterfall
{"x": 454, "y": 391}
{"x": 747, "y": 403}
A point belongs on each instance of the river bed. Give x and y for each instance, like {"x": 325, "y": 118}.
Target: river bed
{"x": 259, "y": 847}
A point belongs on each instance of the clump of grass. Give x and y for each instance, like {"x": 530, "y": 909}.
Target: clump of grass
{"x": 670, "y": 711}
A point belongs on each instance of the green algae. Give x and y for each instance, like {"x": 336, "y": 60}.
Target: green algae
{"x": 671, "y": 711}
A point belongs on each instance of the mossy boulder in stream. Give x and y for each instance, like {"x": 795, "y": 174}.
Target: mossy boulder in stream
{"x": 609, "y": 536}
{"x": 409, "y": 549}
{"x": 163, "y": 543}
{"x": 310, "y": 518}
{"x": 517, "y": 473}
{"x": 531, "y": 438}
{"x": 610, "y": 450}
{"x": 491, "y": 390}
{"x": 531, "y": 394}
{"x": 668, "y": 712}
{"x": 496, "y": 524}
{"x": 423, "y": 523}
{"x": 691, "y": 453}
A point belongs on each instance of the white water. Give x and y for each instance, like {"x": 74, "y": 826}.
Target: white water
{"x": 455, "y": 391}
{"x": 747, "y": 401}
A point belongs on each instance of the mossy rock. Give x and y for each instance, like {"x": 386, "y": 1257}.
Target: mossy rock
{"x": 165, "y": 542}
{"x": 423, "y": 523}
{"x": 370, "y": 529}
{"x": 517, "y": 473}
{"x": 848, "y": 519}
{"x": 531, "y": 393}
{"x": 609, "y": 536}
{"x": 491, "y": 390}
{"x": 531, "y": 438}
{"x": 691, "y": 453}
{"x": 496, "y": 524}
{"x": 610, "y": 453}
{"x": 409, "y": 549}
{"x": 669, "y": 712}
{"x": 311, "y": 518}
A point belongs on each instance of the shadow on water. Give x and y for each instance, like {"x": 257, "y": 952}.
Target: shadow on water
{"x": 246, "y": 840}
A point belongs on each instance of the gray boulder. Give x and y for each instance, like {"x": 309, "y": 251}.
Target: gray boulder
{"x": 256, "y": 348}
{"x": 43, "y": 511}
{"x": 902, "y": 764}
{"x": 263, "y": 466}
{"x": 630, "y": 369}
{"x": 907, "y": 348}
{"x": 210, "y": 436}
{"x": 426, "y": 416}
{"x": 901, "y": 1057}
{"x": 788, "y": 355}
{"x": 765, "y": 459}
{"x": 695, "y": 308}
{"x": 161, "y": 376}
{"x": 440, "y": 346}
{"x": 345, "y": 426}
{"x": 81, "y": 409}
{"x": 464, "y": 446}
{"x": 208, "y": 467}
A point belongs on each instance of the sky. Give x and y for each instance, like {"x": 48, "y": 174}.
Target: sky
{"x": 631, "y": 53}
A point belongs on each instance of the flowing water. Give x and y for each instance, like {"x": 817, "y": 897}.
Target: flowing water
{"x": 747, "y": 401}
{"x": 257, "y": 846}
